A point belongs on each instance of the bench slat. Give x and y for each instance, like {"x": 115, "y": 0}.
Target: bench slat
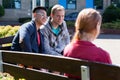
{"x": 98, "y": 71}
{"x": 30, "y": 74}
{"x": 6, "y": 40}
{"x": 5, "y": 48}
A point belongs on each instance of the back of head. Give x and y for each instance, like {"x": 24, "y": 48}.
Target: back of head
{"x": 57, "y": 7}
{"x": 88, "y": 21}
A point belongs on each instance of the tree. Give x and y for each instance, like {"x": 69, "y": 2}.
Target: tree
{"x": 112, "y": 13}
{"x": 2, "y": 12}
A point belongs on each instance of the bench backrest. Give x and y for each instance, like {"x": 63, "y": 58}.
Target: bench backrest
{"x": 96, "y": 71}
{"x": 5, "y": 40}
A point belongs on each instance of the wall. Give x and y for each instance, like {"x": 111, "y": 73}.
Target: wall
{"x": 15, "y": 14}
{"x": 25, "y": 11}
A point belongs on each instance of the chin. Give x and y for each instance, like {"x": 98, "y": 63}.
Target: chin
{"x": 60, "y": 23}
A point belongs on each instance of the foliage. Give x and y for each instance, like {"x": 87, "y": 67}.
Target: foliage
{"x": 2, "y": 12}
{"x": 8, "y": 30}
{"x": 49, "y": 11}
{"x": 111, "y": 13}
{"x": 108, "y": 25}
{"x": 111, "y": 25}
{"x": 6, "y": 76}
{"x": 70, "y": 23}
{"x": 98, "y": 4}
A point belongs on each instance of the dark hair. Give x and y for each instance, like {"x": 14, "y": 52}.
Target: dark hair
{"x": 39, "y": 8}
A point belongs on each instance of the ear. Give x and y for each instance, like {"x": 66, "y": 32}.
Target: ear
{"x": 51, "y": 15}
{"x": 34, "y": 14}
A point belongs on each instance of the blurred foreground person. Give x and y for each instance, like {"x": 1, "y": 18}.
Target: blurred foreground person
{"x": 87, "y": 29}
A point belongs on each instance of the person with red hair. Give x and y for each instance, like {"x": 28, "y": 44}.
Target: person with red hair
{"x": 87, "y": 29}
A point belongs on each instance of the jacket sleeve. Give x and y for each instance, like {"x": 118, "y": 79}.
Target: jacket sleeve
{"x": 24, "y": 39}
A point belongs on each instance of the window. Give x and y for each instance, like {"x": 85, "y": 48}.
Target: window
{"x": 98, "y": 4}
{"x": 71, "y": 4}
{"x": 116, "y": 3}
{"x": 47, "y": 3}
{"x": 12, "y": 4}
{"x": 37, "y": 2}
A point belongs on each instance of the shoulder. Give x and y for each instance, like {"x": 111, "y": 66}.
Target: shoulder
{"x": 29, "y": 25}
{"x": 68, "y": 49}
{"x": 102, "y": 51}
{"x": 27, "y": 28}
{"x": 45, "y": 27}
{"x": 64, "y": 23}
{"x": 105, "y": 56}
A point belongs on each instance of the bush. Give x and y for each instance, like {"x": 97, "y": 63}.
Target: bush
{"x": 8, "y": 30}
{"x": 70, "y": 23}
{"x": 111, "y": 13}
{"x": 6, "y": 76}
{"x": 2, "y": 12}
{"x": 111, "y": 25}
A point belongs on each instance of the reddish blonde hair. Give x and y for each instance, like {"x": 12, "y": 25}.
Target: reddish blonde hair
{"x": 87, "y": 22}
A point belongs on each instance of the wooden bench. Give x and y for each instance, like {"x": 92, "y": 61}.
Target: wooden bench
{"x": 5, "y": 40}
{"x": 85, "y": 69}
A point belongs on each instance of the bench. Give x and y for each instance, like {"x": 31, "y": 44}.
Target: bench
{"x": 6, "y": 40}
{"x": 85, "y": 69}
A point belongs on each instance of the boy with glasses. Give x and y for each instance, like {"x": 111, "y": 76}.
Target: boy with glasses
{"x": 29, "y": 38}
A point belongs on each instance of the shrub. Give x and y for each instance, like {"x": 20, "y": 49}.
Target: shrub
{"x": 111, "y": 13}
{"x": 2, "y": 12}
{"x": 8, "y": 30}
{"x": 70, "y": 23}
{"x": 111, "y": 25}
{"x": 6, "y": 76}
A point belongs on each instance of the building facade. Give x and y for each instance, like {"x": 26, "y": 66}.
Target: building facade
{"x": 15, "y": 9}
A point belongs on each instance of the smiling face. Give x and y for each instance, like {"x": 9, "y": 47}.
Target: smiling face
{"x": 41, "y": 17}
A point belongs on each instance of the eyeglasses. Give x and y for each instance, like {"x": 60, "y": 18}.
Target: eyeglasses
{"x": 42, "y": 15}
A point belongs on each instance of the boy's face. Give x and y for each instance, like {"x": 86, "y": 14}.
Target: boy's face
{"x": 41, "y": 17}
{"x": 58, "y": 17}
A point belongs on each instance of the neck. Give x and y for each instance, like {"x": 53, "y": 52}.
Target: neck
{"x": 37, "y": 26}
{"x": 54, "y": 24}
{"x": 87, "y": 37}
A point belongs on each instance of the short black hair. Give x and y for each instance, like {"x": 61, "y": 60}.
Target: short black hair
{"x": 39, "y": 8}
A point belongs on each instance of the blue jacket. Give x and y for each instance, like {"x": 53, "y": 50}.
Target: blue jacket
{"x": 26, "y": 39}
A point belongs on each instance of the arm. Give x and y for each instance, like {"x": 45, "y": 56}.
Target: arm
{"x": 24, "y": 39}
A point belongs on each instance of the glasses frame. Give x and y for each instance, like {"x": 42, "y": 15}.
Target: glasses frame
{"x": 41, "y": 14}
